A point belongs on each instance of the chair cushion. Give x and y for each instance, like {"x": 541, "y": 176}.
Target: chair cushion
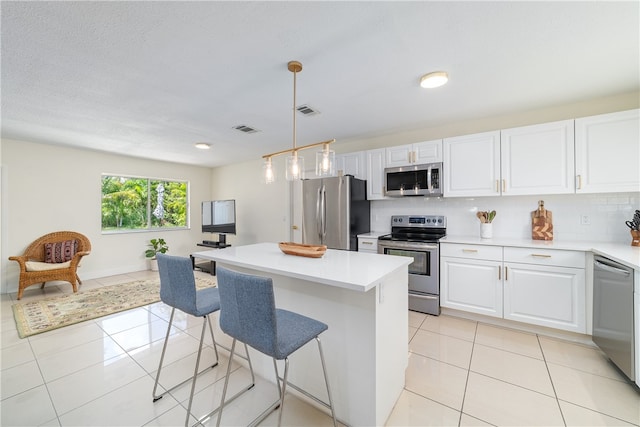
{"x": 294, "y": 331}
{"x": 58, "y": 252}
{"x": 207, "y": 301}
{"x": 44, "y": 266}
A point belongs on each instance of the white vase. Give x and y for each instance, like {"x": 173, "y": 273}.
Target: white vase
{"x": 486, "y": 230}
{"x": 153, "y": 264}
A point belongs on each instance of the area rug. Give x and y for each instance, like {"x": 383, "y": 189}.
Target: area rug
{"x": 35, "y": 317}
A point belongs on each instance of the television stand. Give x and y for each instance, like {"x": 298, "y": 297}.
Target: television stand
{"x": 208, "y": 266}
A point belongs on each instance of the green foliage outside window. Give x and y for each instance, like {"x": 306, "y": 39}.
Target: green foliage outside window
{"x": 141, "y": 203}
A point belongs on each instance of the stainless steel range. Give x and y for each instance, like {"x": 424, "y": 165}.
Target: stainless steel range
{"x": 417, "y": 236}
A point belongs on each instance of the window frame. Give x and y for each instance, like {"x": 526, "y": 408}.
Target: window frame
{"x": 148, "y": 205}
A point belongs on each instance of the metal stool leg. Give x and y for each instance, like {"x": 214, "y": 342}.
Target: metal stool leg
{"x": 164, "y": 349}
{"x": 284, "y": 389}
{"x": 326, "y": 381}
{"x": 226, "y": 382}
{"x": 195, "y": 371}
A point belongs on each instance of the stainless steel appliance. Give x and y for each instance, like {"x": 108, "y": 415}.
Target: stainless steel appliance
{"x": 417, "y": 236}
{"x": 334, "y": 211}
{"x": 613, "y": 313}
{"x": 413, "y": 180}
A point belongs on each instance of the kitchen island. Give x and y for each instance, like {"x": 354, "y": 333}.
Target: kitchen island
{"x": 363, "y": 299}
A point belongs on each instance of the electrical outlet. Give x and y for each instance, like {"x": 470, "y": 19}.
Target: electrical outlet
{"x": 585, "y": 220}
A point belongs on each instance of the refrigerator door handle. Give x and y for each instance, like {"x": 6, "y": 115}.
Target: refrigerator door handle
{"x": 318, "y": 219}
{"x": 323, "y": 213}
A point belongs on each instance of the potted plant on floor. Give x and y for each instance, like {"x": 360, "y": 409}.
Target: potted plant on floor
{"x": 155, "y": 246}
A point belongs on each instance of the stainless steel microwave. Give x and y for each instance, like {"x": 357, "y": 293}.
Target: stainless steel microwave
{"x": 413, "y": 180}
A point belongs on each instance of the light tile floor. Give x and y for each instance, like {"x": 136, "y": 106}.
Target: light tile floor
{"x": 460, "y": 373}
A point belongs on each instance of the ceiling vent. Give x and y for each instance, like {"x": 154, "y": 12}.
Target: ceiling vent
{"x": 245, "y": 129}
{"x": 307, "y": 111}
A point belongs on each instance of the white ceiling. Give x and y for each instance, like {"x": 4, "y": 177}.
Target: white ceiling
{"x": 150, "y": 78}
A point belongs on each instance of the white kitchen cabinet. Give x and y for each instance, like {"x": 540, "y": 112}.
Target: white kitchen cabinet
{"x": 368, "y": 244}
{"x": 352, "y": 164}
{"x": 607, "y": 152}
{"x": 537, "y": 159}
{"x": 472, "y": 165}
{"x": 470, "y": 278}
{"x": 414, "y": 154}
{"x": 375, "y": 174}
{"x": 545, "y": 287}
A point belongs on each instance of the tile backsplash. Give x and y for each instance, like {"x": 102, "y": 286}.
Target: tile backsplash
{"x": 576, "y": 217}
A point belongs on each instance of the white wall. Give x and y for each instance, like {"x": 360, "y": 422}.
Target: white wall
{"x": 620, "y": 102}
{"x": 48, "y": 188}
{"x": 262, "y": 210}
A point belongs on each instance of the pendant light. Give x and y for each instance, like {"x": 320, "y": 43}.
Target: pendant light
{"x": 325, "y": 159}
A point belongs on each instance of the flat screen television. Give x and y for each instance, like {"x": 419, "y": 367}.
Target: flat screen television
{"x": 219, "y": 216}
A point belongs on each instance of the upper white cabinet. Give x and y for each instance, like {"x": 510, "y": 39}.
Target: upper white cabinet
{"x": 472, "y": 165}
{"x": 418, "y": 153}
{"x": 607, "y": 152}
{"x": 537, "y": 159}
{"x": 352, "y": 164}
{"x": 375, "y": 174}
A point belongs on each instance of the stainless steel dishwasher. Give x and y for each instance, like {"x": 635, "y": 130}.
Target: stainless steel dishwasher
{"x": 613, "y": 313}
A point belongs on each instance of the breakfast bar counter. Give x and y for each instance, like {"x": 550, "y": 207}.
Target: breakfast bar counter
{"x": 363, "y": 299}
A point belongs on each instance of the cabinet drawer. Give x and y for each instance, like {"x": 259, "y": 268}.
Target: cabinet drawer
{"x": 557, "y": 257}
{"x": 458, "y": 250}
{"x": 368, "y": 244}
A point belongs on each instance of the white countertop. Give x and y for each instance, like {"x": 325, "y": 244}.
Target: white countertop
{"x": 357, "y": 271}
{"x": 625, "y": 254}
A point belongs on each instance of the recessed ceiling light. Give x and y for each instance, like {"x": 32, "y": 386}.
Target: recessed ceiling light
{"x": 203, "y": 145}
{"x": 435, "y": 79}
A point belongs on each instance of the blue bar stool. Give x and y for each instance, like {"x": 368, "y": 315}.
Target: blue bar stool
{"x": 178, "y": 290}
{"x": 248, "y": 314}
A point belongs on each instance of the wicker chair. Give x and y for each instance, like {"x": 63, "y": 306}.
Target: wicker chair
{"x": 35, "y": 252}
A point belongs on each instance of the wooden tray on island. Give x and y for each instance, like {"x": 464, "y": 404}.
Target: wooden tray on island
{"x": 299, "y": 249}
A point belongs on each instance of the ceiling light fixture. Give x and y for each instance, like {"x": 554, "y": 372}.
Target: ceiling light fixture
{"x": 203, "y": 145}
{"x": 325, "y": 159}
{"x": 435, "y": 79}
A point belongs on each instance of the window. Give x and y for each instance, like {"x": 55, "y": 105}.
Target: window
{"x": 131, "y": 203}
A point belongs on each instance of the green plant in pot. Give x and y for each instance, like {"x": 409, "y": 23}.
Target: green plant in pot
{"x": 155, "y": 246}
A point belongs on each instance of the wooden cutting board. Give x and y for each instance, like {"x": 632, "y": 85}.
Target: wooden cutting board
{"x": 541, "y": 223}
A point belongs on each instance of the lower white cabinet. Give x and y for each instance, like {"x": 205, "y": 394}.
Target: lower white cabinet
{"x": 545, "y": 296}
{"x": 368, "y": 244}
{"x": 543, "y": 287}
{"x": 471, "y": 285}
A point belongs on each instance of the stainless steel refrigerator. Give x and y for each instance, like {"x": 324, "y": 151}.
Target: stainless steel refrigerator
{"x": 334, "y": 211}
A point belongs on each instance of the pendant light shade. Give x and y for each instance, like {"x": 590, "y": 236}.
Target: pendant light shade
{"x": 269, "y": 171}
{"x": 295, "y": 167}
{"x": 326, "y": 162}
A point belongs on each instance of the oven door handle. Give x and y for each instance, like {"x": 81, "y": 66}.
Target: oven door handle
{"x": 406, "y": 245}
{"x": 429, "y": 297}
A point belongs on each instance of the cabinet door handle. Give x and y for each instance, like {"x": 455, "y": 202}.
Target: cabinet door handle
{"x": 367, "y": 243}
{"x": 504, "y": 185}
{"x": 470, "y": 250}
{"x": 579, "y": 177}
{"x": 506, "y": 273}
{"x": 541, "y": 256}
{"x": 294, "y": 227}
{"x": 497, "y": 185}
{"x": 499, "y": 273}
